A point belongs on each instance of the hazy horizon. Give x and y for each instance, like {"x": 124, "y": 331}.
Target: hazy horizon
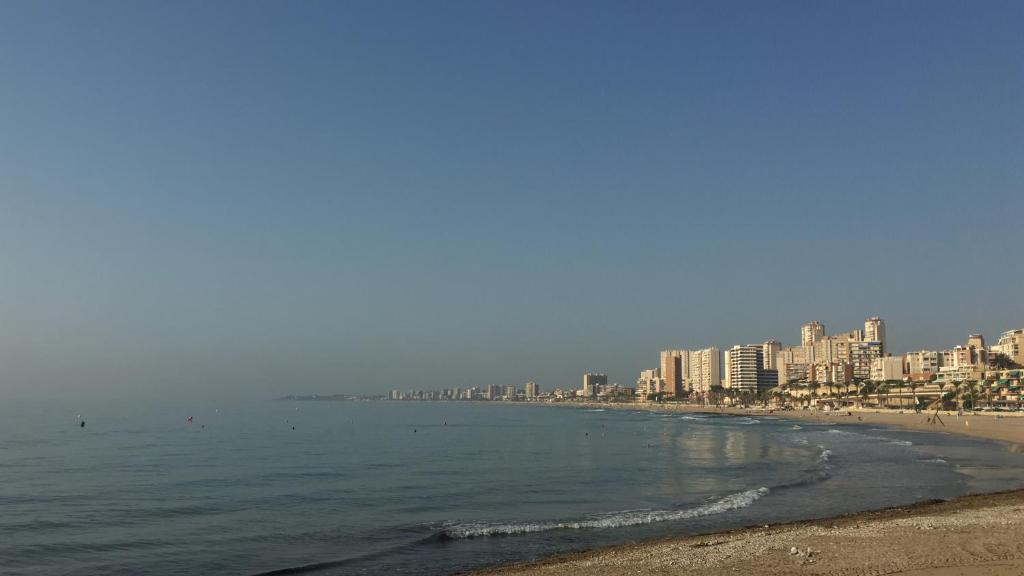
{"x": 257, "y": 199}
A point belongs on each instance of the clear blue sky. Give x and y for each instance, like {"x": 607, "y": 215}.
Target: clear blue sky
{"x": 253, "y": 198}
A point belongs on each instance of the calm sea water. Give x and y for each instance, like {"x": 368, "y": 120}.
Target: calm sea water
{"x": 422, "y": 488}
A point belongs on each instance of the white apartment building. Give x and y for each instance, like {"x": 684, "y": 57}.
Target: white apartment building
{"x": 922, "y": 361}
{"x": 888, "y": 368}
{"x": 811, "y": 332}
{"x": 649, "y": 382}
{"x": 1011, "y": 343}
{"x": 770, "y": 350}
{"x": 745, "y": 365}
{"x": 874, "y": 331}
{"x": 531, "y": 389}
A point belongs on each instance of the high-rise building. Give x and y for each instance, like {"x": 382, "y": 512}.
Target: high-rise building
{"x": 690, "y": 370}
{"x": 811, "y": 332}
{"x": 976, "y": 341}
{"x": 874, "y": 331}
{"x": 591, "y": 383}
{"x": 771, "y": 349}
{"x": 746, "y": 363}
{"x": 531, "y": 389}
{"x": 705, "y": 369}
{"x": 672, "y": 365}
{"x": 861, "y": 355}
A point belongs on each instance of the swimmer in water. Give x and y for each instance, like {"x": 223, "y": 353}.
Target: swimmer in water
{"x": 83, "y": 424}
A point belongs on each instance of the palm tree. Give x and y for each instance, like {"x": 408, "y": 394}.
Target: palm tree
{"x": 913, "y": 394}
{"x": 865, "y": 392}
{"x": 971, "y": 393}
{"x": 883, "y": 388}
{"x": 716, "y": 394}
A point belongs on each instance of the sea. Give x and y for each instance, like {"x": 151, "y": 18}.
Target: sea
{"x": 348, "y": 487}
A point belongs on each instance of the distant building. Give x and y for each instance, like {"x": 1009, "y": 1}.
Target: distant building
{"x": 531, "y": 389}
{"x": 510, "y": 391}
{"x": 649, "y": 382}
{"x": 811, "y": 332}
{"x": 672, "y": 363}
{"x": 923, "y": 361}
{"x": 1011, "y": 345}
{"x": 770, "y": 350}
{"x": 690, "y": 370}
{"x": 861, "y": 355}
{"x": 833, "y": 373}
{"x": 886, "y": 369}
{"x": 593, "y": 382}
{"x": 874, "y": 331}
{"x": 976, "y": 341}
{"x": 746, "y": 371}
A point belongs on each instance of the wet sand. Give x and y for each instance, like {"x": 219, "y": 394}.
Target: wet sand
{"x": 968, "y": 536}
{"x": 974, "y": 535}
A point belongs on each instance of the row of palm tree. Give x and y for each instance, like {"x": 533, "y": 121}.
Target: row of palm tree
{"x": 963, "y": 394}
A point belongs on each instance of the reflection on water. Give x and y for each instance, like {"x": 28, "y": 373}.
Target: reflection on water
{"x": 371, "y": 485}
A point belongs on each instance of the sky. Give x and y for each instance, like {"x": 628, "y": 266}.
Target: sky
{"x": 249, "y": 199}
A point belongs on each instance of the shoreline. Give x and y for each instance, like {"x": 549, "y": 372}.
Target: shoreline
{"x": 970, "y": 535}
{"x": 1007, "y": 428}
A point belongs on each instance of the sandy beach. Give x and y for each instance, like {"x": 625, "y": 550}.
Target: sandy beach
{"x": 974, "y": 535}
{"x": 1002, "y": 426}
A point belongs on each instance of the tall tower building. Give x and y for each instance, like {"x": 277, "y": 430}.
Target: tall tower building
{"x": 811, "y": 333}
{"x": 771, "y": 348}
{"x": 874, "y": 331}
{"x": 673, "y": 363}
{"x": 591, "y": 382}
{"x": 745, "y": 362}
{"x": 531, "y": 389}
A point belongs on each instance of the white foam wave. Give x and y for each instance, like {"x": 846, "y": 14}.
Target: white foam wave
{"x": 934, "y": 461}
{"x": 693, "y": 417}
{"x": 595, "y": 410}
{"x": 611, "y": 520}
{"x": 746, "y": 420}
{"x": 797, "y": 427}
{"x": 869, "y": 437}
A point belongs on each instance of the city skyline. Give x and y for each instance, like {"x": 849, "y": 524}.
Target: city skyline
{"x": 355, "y": 194}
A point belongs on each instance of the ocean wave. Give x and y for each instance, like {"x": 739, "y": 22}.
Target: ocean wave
{"x": 745, "y": 420}
{"x": 870, "y": 437}
{"x": 797, "y": 427}
{"x": 934, "y": 461}
{"x": 595, "y": 410}
{"x": 611, "y": 520}
{"x": 690, "y": 417}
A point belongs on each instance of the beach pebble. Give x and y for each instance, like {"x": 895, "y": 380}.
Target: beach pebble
{"x": 793, "y": 551}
